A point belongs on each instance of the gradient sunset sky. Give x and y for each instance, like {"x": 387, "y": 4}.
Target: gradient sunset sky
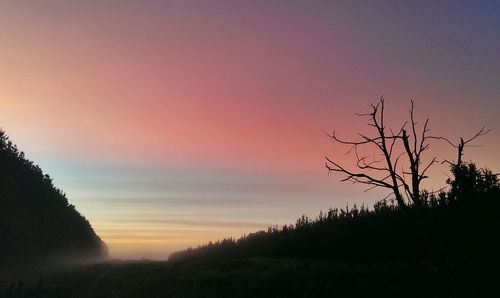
{"x": 172, "y": 123}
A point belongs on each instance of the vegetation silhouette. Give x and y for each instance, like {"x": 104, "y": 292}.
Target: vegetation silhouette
{"x": 456, "y": 230}
{"x": 38, "y": 226}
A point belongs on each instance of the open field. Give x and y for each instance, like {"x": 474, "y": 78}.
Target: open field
{"x": 255, "y": 277}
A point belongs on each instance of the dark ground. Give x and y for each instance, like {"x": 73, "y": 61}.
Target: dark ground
{"x": 256, "y": 277}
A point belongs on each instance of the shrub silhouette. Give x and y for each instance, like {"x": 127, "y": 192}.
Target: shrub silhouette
{"x": 37, "y": 224}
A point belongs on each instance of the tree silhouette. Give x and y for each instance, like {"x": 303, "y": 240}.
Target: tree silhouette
{"x": 37, "y": 223}
{"x": 462, "y": 144}
{"x": 400, "y": 166}
{"x": 453, "y": 231}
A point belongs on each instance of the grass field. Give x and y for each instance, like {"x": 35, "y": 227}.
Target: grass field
{"x": 247, "y": 278}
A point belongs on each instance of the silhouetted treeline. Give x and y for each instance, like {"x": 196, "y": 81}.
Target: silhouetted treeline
{"x": 457, "y": 228}
{"x": 37, "y": 224}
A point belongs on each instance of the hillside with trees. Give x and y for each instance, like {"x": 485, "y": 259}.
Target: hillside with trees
{"x": 37, "y": 224}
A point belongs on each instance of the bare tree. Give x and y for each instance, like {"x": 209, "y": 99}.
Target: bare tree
{"x": 400, "y": 171}
{"x": 462, "y": 144}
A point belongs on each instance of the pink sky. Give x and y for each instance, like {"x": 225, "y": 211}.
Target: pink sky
{"x": 115, "y": 100}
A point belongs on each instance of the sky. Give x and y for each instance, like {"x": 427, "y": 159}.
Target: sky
{"x": 172, "y": 123}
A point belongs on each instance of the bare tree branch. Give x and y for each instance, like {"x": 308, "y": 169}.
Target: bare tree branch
{"x": 462, "y": 144}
